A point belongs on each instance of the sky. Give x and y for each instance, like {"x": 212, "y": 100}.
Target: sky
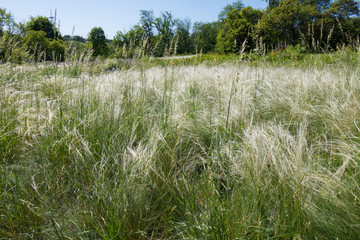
{"x": 78, "y": 17}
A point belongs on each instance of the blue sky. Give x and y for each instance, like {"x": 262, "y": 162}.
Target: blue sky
{"x": 114, "y": 15}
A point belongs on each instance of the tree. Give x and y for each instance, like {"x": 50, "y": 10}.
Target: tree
{"x": 237, "y": 28}
{"x": 238, "y": 5}
{"x": 98, "y": 42}
{"x": 42, "y": 48}
{"x": 164, "y": 25}
{"x": 36, "y": 44}
{"x": 341, "y": 19}
{"x": 43, "y": 24}
{"x": 43, "y": 41}
{"x": 147, "y": 21}
{"x": 126, "y": 44}
{"x": 273, "y": 3}
{"x": 283, "y": 24}
{"x": 74, "y": 38}
{"x": 322, "y": 5}
{"x": 9, "y": 46}
{"x": 6, "y": 22}
{"x": 343, "y": 9}
{"x": 56, "y": 50}
{"x": 205, "y": 36}
{"x": 183, "y": 36}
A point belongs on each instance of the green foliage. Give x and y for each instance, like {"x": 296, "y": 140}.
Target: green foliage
{"x": 205, "y": 36}
{"x": 184, "y": 41}
{"x": 131, "y": 44}
{"x": 322, "y": 5}
{"x": 341, "y": 23}
{"x": 10, "y": 48}
{"x": 43, "y": 24}
{"x": 10, "y": 43}
{"x": 238, "y": 29}
{"x": 343, "y": 9}
{"x": 56, "y": 50}
{"x": 316, "y": 25}
{"x": 75, "y": 51}
{"x": 41, "y": 48}
{"x": 238, "y": 5}
{"x": 7, "y": 22}
{"x": 147, "y": 21}
{"x": 289, "y": 54}
{"x": 283, "y": 24}
{"x": 36, "y": 43}
{"x": 98, "y": 42}
{"x": 273, "y": 3}
{"x": 74, "y": 38}
{"x": 165, "y": 26}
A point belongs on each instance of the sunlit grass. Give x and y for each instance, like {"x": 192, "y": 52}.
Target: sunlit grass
{"x": 182, "y": 151}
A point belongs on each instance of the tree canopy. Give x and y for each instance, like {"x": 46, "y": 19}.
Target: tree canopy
{"x": 41, "y": 23}
{"x": 6, "y": 21}
{"x": 238, "y": 28}
{"x": 238, "y": 5}
{"x": 98, "y": 42}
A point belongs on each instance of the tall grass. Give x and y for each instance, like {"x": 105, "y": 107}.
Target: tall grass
{"x": 180, "y": 152}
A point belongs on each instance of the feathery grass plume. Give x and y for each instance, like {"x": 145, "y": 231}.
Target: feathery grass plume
{"x": 329, "y": 38}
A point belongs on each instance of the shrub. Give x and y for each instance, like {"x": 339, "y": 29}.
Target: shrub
{"x": 56, "y": 50}
{"x": 37, "y": 44}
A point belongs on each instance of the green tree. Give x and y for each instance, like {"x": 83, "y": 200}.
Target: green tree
{"x": 147, "y": 22}
{"x": 126, "y": 44}
{"x": 341, "y": 20}
{"x": 43, "y": 24}
{"x": 36, "y": 44}
{"x": 165, "y": 27}
{"x": 184, "y": 40}
{"x": 283, "y": 24}
{"x": 98, "y": 42}
{"x": 43, "y": 41}
{"x": 56, "y": 50}
{"x": 238, "y": 5}
{"x": 75, "y": 50}
{"x": 273, "y": 3}
{"x": 205, "y": 36}
{"x": 343, "y": 9}
{"x": 9, "y": 41}
{"x": 74, "y": 38}
{"x": 322, "y": 5}
{"x": 237, "y": 28}
{"x": 7, "y": 22}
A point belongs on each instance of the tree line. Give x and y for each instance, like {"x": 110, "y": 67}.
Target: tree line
{"x": 314, "y": 25}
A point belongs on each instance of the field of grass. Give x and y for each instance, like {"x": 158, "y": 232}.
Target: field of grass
{"x": 181, "y": 151}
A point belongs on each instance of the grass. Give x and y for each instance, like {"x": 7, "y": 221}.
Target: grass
{"x": 225, "y": 150}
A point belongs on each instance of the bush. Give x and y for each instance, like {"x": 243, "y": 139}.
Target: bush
{"x": 10, "y": 49}
{"x": 290, "y": 53}
{"x": 42, "y": 48}
{"x": 37, "y": 44}
{"x": 56, "y": 51}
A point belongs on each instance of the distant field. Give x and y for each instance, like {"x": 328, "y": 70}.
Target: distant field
{"x": 220, "y": 151}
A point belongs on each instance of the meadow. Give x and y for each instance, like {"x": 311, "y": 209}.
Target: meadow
{"x": 181, "y": 149}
